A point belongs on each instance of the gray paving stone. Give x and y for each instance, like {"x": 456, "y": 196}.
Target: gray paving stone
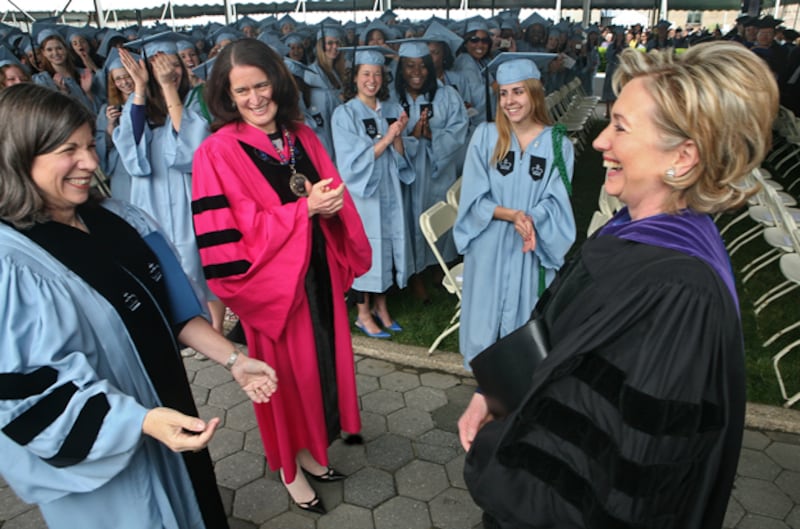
{"x": 332, "y": 494}
{"x": 389, "y": 452}
{"x": 446, "y": 417}
{"x": 376, "y": 368}
{"x": 239, "y": 469}
{"x": 793, "y": 520}
{"x": 347, "y": 516}
{"x": 425, "y": 398}
{"x": 733, "y": 514}
{"x": 369, "y": 487}
{"x": 438, "y": 380}
{"x": 227, "y": 499}
{"x": 260, "y": 500}
{"x": 193, "y": 365}
{"x": 755, "y": 464}
{"x": 252, "y": 442}
{"x": 469, "y": 381}
{"x": 402, "y": 513}
{"x": 227, "y": 395}
{"x": 784, "y": 437}
{"x": 789, "y": 482}
{"x": 786, "y": 455}
{"x": 224, "y": 443}
{"x": 460, "y": 395}
{"x": 235, "y": 523}
{"x": 11, "y": 505}
{"x": 382, "y": 401}
{"x": 366, "y": 384}
{"x": 454, "y": 509}
{"x": 31, "y": 519}
{"x": 399, "y": 381}
{"x": 440, "y": 438}
{"x": 409, "y": 422}
{"x": 755, "y": 440}
{"x": 421, "y": 480}
{"x": 200, "y": 395}
{"x": 212, "y": 376}
{"x": 207, "y": 413}
{"x": 241, "y": 417}
{"x": 373, "y": 425}
{"x": 347, "y": 459}
{"x": 433, "y": 453}
{"x": 289, "y": 520}
{"x": 754, "y": 521}
{"x": 762, "y": 497}
{"x": 455, "y": 471}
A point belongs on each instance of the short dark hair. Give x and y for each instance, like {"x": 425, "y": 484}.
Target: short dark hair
{"x": 251, "y": 52}
{"x": 50, "y": 119}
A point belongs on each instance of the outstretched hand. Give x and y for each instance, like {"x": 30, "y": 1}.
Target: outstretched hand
{"x": 256, "y": 378}
{"x": 179, "y": 432}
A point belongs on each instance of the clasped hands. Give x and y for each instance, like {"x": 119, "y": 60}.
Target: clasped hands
{"x": 324, "y": 200}
{"x": 523, "y": 224}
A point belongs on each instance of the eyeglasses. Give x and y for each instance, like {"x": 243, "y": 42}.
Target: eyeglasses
{"x": 121, "y": 78}
{"x": 476, "y": 40}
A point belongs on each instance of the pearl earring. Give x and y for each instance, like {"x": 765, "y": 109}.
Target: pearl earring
{"x": 670, "y": 173}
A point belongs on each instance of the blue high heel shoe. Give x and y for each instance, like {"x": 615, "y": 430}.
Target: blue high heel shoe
{"x": 379, "y": 334}
{"x": 394, "y": 327}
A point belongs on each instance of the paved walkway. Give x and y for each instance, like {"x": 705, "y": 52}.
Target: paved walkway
{"x": 408, "y": 475}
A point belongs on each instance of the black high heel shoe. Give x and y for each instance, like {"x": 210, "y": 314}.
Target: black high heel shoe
{"x": 329, "y": 476}
{"x": 315, "y": 505}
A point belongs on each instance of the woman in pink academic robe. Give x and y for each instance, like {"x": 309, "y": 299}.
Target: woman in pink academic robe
{"x": 281, "y": 243}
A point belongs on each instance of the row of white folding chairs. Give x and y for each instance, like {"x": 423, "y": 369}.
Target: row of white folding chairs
{"x": 571, "y": 107}
{"x": 785, "y": 157}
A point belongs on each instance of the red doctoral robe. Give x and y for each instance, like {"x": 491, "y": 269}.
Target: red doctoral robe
{"x": 255, "y": 253}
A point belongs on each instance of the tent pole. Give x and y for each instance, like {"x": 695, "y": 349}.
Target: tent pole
{"x": 664, "y": 10}
{"x": 101, "y": 17}
{"x": 587, "y": 13}
{"x": 558, "y": 10}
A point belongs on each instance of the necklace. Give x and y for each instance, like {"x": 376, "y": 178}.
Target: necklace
{"x": 297, "y": 181}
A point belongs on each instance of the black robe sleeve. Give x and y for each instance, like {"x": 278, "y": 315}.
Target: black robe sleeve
{"x": 635, "y": 419}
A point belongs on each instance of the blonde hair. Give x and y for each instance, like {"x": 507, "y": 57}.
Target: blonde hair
{"x": 330, "y": 66}
{"x": 722, "y": 97}
{"x": 539, "y": 113}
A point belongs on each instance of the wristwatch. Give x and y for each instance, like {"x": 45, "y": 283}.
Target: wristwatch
{"x": 232, "y": 359}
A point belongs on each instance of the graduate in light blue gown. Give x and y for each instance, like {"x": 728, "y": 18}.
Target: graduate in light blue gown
{"x": 94, "y": 400}
{"x": 368, "y": 138}
{"x": 326, "y": 81}
{"x": 475, "y": 89}
{"x": 156, "y": 140}
{"x": 60, "y": 73}
{"x": 120, "y": 87}
{"x": 515, "y": 221}
{"x": 435, "y": 138}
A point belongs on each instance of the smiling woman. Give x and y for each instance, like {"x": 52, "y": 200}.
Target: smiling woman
{"x": 281, "y": 242}
{"x": 95, "y": 304}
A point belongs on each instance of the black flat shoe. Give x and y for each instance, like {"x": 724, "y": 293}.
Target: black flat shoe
{"x": 329, "y": 476}
{"x": 315, "y": 505}
{"x": 353, "y": 439}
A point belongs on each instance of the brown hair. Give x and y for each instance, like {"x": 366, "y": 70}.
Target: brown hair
{"x": 251, "y": 52}
{"x": 539, "y": 113}
{"x": 50, "y": 119}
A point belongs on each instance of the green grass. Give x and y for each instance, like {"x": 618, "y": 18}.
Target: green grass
{"x": 423, "y": 323}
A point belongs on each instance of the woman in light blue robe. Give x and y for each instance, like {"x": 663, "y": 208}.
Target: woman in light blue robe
{"x": 515, "y": 221}
{"x": 120, "y": 87}
{"x": 470, "y": 63}
{"x": 372, "y": 160}
{"x": 60, "y": 73}
{"x": 157, "y": 151}
{"x": 435, "y": 138}
{"x": 94, "y": 401}
{"x": 326, "y": 81}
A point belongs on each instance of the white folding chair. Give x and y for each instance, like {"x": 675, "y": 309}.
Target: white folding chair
{"x": 454, "y": 193}
{"x": 435, "y": 222}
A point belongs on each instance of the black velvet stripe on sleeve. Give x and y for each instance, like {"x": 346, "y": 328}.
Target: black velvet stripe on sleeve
{"x": 645, "y": 412}
{"x": 83, "y": 433}
{"x": 41, "y": 415}
{"x": 216, "y": 271}
{"x": 216, "y": 238}
{"x": 208, "y": 203}
{"x": 23, "y": 385}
